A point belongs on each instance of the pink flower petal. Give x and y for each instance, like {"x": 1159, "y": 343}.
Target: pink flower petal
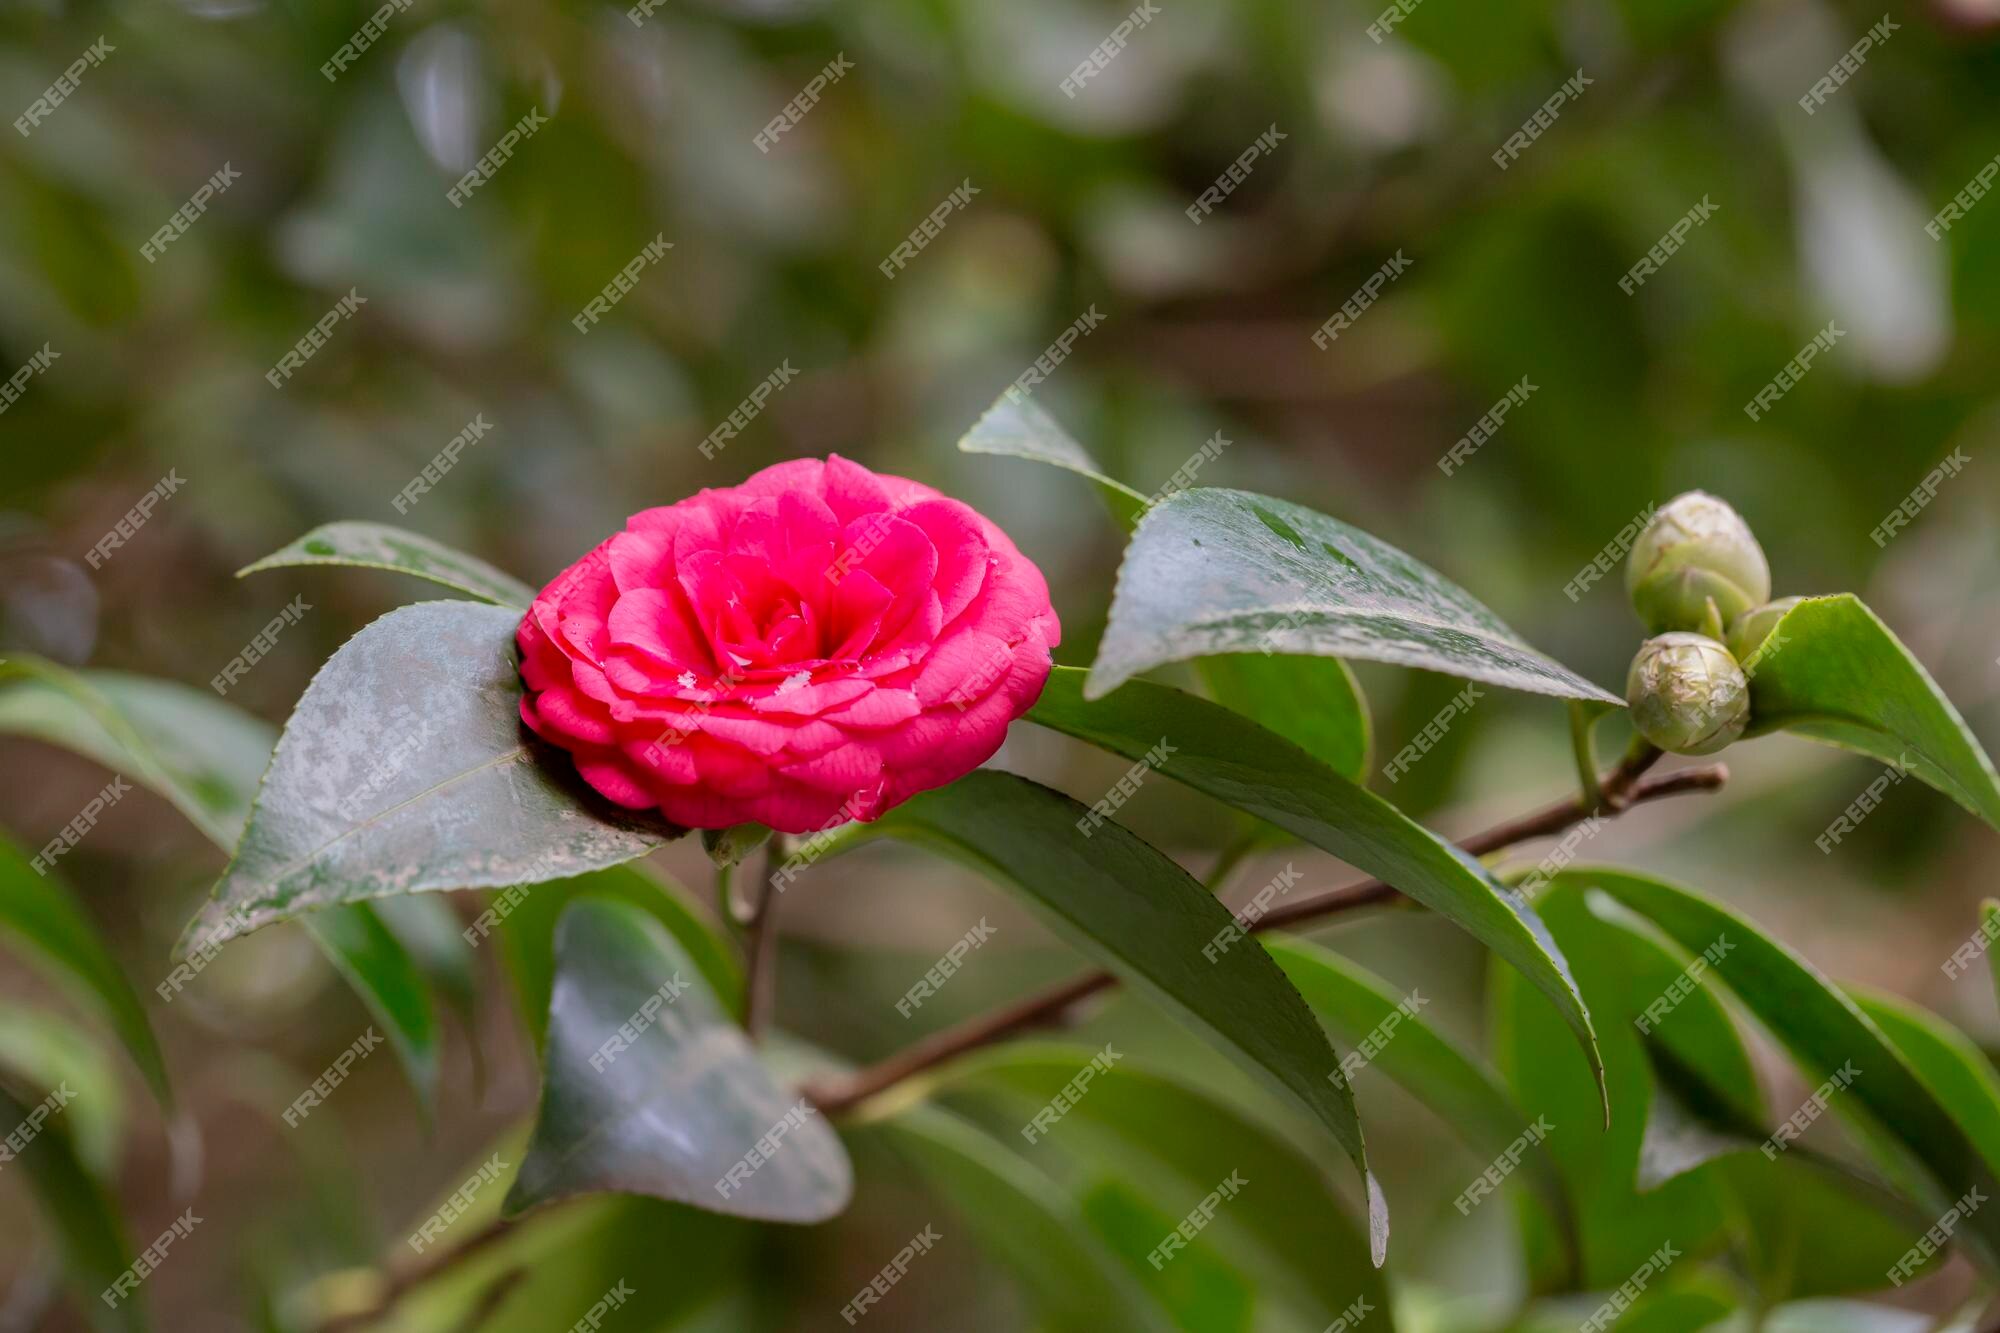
{"x": 851, "y": 490}
{"x": 657, "y": 623}
{"x": 847, "y": 768}
{"x": 704, "y": 663}
{"x": 877, "y": 709}
{"x": 567, "y": 716}
{"x": 643, "y": 559}
{"x": 959, "y": 539}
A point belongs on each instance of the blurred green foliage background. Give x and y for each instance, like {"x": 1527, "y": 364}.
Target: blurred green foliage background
{"x": 1080, "y": 206}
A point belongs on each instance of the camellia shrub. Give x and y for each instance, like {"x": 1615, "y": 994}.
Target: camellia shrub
{"x": 822, "y": 656}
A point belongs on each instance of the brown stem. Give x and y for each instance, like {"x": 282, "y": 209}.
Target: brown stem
{"x": 1624, "y": 787}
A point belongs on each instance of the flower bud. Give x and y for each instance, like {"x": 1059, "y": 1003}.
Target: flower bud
{"x": 1687, "y": 694}
{"x": 1696, "y": 548}
{"x": 1749, "y": 630}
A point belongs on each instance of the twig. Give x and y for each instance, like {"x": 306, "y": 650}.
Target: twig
{"x": 1624, "y": 787}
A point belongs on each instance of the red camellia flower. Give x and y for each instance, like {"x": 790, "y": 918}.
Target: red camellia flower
{"x": 818, "y": 644}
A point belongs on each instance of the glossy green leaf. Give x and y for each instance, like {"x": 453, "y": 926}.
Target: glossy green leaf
{"x": 1313, "y": 702}
{"x": 1241, "y": 764}
{"x": 1015, "y": 427}
{"x": 1388, "y": 1032}
{"x": 1833, "y": 672}
{"x": 205, "y": 757}
{"x": 1171, "y": 1143}
{"x": 380, "y": 546}
{"x": 1212, "y": 571}
{"x": 650, "y": 1088}
{"x": 524, "y": 922}
{"x": 1134, "y": 911}
{"x": 1805, "y": 1224}
{"x": 1824, "y": 1031}
{"x": 374, "y": 962}
{"x": 1619, "y": 972}
{"x": 39, "y": 912}
{"x": 1955, "y": 1070}
{"x": 405, "y": 768}
{"x": 83, "y": 1218}
{"x": 1021, "y": 1218}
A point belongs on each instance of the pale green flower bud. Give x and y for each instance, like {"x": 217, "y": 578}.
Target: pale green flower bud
{"x": 1749, "y": 630}
{"x": 1696, "y": 549}
{"x": 1687, "y": 694}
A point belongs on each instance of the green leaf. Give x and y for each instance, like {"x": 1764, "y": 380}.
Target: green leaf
{"x": 524, "y": 921}
{"x": 1243, "y": 765}
{"x": 565, "y": 1260}
{"x": 1021, "y": 1218}
{"x": 374, "y": 962}
{"x": 1213, "y": 571}
{"x": 1015, "y": 427}
{"x": 430, "y": 933}
{"x": 1171, "y": 1143}
{"x": 1955, "y": 1070}
{"x": 1824, "y": 1031}
{"x": 1691, "y": 1121}
{"x": 1678, "y": 1300}
{"x": 47, "y": 1051}
{"x": 1804, "y": 1224}
{"x": 1619, "y": 972}
{"x": 1812, "y": 1228}
{"x": 650, "y": 1088}
{"x": 1134, "y": 911}
{"x": 40, "y": 912}
{"x": 204, "y": 757}
{"x": 1832, "y": 672}
{"x": 84, "y": 1220}
{"x": 1313, "y": 702}
{"x": 1358, "y": 1007}
{"x": 405, "y": 768}
{"x": 379, "y": 546}
{"x": 1199, "y": 1288}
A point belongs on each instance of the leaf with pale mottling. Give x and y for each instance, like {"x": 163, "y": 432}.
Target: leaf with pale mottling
{"x": 1830, "y": 670}
{"x": 1222, "y": 571}
{"x": 1015, "y": 427}
{"x": 204, "y": 756}
{"x": 405, "y": 768}
{"x": 650, "y": 1088}
{"x": 379, "y": 546}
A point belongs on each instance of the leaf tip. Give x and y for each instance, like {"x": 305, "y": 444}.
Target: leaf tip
{"x": 1378, "y": 1219}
